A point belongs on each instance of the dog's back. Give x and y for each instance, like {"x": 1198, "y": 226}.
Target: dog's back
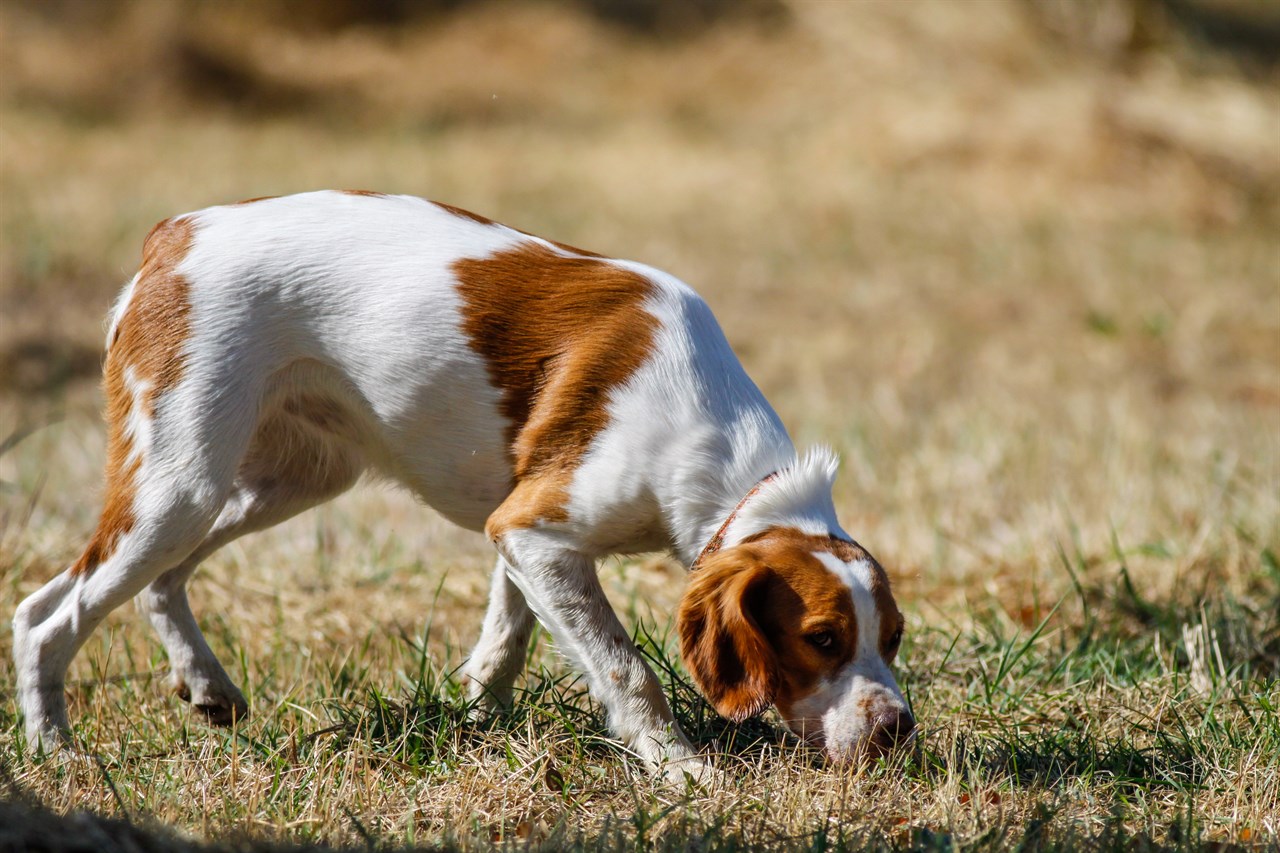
{"x": 335, "y": 331}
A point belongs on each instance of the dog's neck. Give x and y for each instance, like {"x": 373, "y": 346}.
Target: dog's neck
{"x": 754, "y": 498}
{"x": 716, "y": 542}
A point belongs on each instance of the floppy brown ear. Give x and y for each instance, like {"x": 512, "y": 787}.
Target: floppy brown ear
{"x": 721, "y": 643}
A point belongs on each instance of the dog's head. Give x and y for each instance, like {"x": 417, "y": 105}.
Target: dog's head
{"x": 805, "y": 623}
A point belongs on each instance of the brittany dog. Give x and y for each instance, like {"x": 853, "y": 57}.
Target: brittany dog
{"x": 567, "y": 404}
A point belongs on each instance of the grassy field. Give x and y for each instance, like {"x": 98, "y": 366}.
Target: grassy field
{"x": 1028, "y": 289}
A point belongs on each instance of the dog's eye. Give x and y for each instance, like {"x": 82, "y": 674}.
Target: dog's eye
{"x": 896, "y": 639}
{"x": 822, "y": 640}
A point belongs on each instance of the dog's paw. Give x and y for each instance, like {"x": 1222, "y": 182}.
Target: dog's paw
{"x": 223, "y": 712}
{"x": 219, "y": 707}
{"x": 696, "y": 770}
{"x": 54, "y": 742}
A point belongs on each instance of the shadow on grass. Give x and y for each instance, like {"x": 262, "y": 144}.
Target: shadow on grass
{"x": 1239, "y": 627}
{"x": 27, "y": 825}
{"x": 1201, "y": 659}
{"x": 430, "y": 727}
{"x": 1046, "y": 758}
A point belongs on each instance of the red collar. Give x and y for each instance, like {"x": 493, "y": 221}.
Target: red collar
{"x": 716, "y": 541}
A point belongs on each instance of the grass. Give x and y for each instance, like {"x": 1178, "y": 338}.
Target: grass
{"x": 1030, "y": 294}
{"x": 1032, "y": 730}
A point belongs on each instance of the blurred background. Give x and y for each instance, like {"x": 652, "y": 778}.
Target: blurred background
{"x": 1015, "y": 259}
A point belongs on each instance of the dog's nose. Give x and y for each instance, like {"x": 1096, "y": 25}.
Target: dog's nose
{"x": 892, "y": 729}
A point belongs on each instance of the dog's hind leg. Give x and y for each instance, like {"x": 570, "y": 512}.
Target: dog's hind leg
{"x": 180, "y": 412}
{"x": 159, "y": 505}
{"x": 294, "y": 463}
{"x": 499, "y": 654}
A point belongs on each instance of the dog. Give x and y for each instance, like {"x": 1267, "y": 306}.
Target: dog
{"x": 566, "y": 404}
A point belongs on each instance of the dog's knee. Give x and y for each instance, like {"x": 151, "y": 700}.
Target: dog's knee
{"x": 42, "y": 603}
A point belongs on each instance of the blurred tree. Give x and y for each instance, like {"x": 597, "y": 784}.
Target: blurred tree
{"x": 683, "y": 17}
{"x": 665, "y": 18}
{"x": 1248, "y": 30}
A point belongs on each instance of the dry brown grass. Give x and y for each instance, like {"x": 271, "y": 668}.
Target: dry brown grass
{"x": 1032, "y": 298}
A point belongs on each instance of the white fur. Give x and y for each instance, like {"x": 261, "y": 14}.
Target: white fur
{"x": 843, "y": 711}
{"x": 353, "y": 297}
{"x": 799, "y": 497}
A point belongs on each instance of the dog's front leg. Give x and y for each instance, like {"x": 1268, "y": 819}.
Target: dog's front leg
{"x": 499, "y": 654}
{"x": 561, "y": 587}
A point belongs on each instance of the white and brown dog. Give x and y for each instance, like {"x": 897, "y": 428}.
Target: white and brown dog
{"x": 568, "y": 405}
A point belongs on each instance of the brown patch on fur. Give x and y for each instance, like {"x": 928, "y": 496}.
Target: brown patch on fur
{"x": 748, "y": 614}
{"x": 558, "y": 335}
{"x": 148, "y": 341}
{"x": 746, "y": 620}
{"x": 289, "y": 459}
{"x": 465, "y": 214}
{"x": 541, "y": 499}
{"x": 722, "y": 643}
{"x": 891, "y": 620}
{"x": 886, "y": 606}
{"x": 369, "y": 193}
{"x": 254, "y": 199}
